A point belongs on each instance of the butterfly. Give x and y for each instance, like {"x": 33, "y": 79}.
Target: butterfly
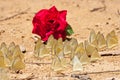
{"x": 50, "y": 41}
{"x": 17, "y": 53}
{"x": 93, "y": 38}
{"x": 4, "y": 48}
{"x": 88, "y": 48}
{"x": 43, "y": 52}
{"x": 3, "y": 44}
{"x": 111, "y": 39}
{"x": 67, "y": 47}
{"x": 101, "y": 42}
{"x": 5, "y": 52}
{"x": 2, "y": 60}
{"x": 11, "y": 47}
{"x": 77, "y": 65}
{"x": 84, "y": 59}
{"x": 73, "y": 43}
{"x": 95, "y": 55}
{"x": 56, "y": 64}
{"x": 59, "y": 48}
{"x": 53, "y": 47}
{"x": 80, "y": 49}
{"x": 38, "y": 45}
{"x": 17, "y": 64}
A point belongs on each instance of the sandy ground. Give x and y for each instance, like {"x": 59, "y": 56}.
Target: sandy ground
{"x": 101, "y": 15}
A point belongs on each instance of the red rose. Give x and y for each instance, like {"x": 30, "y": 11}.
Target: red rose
{"x": 50, "y": 21}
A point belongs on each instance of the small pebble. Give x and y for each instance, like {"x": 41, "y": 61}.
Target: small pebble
{"x": 109, "y": 18}
{"x": 23, "y": 49}
{"x": 117, "y": 28}
{"x": 96, "y": 25}
{"x": 77, "y": 5}
{"x": 22, "y": 36}
{"x": 107, "y": 23}
{"x": 81, "y": 77}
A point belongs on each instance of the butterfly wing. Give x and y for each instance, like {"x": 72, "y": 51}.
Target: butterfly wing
{"x": 44, "y": 52}
{"x": 111, "y": 41}
{"x": 11, "y": 47}
{"x": 18, "y": 64}
{"x": 89, "y": 48}
{"x": 84, "y": 59}
{"x": 18, "y": 53}
{"x": 59, "y": 48}
{"x": 56, "y": 64}
{"x": 101, "y": 41}
{"x": 80, "y": 49}
{"x": 50, "y": 41}
{"x": 3, "y": 44}
{"x": 37, "y": 47}
{"x": 2, "y": 60}
{"x": 67, "y": 47}
{"x": 77, "y": 66}
{"x": 4, "y": 49}
{"x": 95, "y": 55}
{"x": 73, "y": 43}
{"x": 92, "y": 38}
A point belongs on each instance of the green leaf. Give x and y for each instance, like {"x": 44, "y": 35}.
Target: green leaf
{"x": 69, "y": 30}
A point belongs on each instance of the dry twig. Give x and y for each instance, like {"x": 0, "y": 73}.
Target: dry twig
{"x": 8, "y": 18}
{"x": 110, "y": 53}
{"x": 100, "y": 8}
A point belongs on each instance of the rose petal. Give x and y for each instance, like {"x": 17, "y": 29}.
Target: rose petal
{"x": 63, "y": 14}
{"x": 53, "y": 9}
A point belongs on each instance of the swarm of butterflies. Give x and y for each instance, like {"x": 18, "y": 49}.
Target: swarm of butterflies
{"x": 11, "y": 57}
{"x": 70, "y": 52}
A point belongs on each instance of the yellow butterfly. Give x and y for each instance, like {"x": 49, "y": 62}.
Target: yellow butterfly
{"x": 60, "y": 52}
{"x": 5, "y": 52}
{"x": 17, "y": 53}
{"x": 111, "y": 39}
{"x": 53, "y": 47}
{"x": 73, "y": 43}
{"x": 50, "y": 41}
{"x": 93, "y": 38}
{"x": 56, "y": 64}
{"x": 38, "y": 45}
{"x": 60, "y": 42}
{"x": 3, "y": 44}
{"x": 64, "y": 62}
{"x": 59, "y": 47}
{"x": 67, "y": 47}
{"x": 4, "y": 48}
{"x": 2, "y": 60}
{"x": 43, "y": 52}
{"x": 17, "y": 64}
{"x": 95, "y": 55}
{"x": 80, "y": 49}
{"x": 89, "y": 48}
{"x": 84, "y": 59}
{"x": 11, "y": 47}
{"x": 77, "y": 66}
{"x": 101, "y": 42}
